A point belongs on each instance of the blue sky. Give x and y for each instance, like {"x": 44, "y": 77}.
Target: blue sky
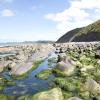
{"x": 31, "y": 20}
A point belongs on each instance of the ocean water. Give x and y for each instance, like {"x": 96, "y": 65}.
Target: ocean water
{"x": 10, "y": 44}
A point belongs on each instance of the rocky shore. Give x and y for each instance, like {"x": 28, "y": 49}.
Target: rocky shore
{"x": 75, "y": 69}
{"x": 78, "y": 70}
{"x": 19, "y": 59}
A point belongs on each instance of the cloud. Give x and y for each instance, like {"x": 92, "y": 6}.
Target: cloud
{"x": 79, "y": 14}
{"x": 7, "y": 13}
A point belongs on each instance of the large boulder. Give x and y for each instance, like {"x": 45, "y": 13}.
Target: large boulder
{"x": 66, "y": 67}
{"x": 21, "y": 68}
{"x": 53, "y": 94}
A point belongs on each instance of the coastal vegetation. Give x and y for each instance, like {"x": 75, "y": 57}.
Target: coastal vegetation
{"x": 84, "y": 34}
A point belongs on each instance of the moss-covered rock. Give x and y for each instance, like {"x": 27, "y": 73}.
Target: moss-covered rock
{"x": 24, "y": 98}
{"x": 58, "y": 73}
{"x": 3, "y": 97}
{"x": 53, "y": 94}
{"x": 67, "y": 68}
{"x": 85, "y": 95}
{"x": 87, "y": 68}
{"x": 67, "y": 95}
{"x": 1, "y": 87}
{"x": 44, "y": 74}
{"x": 68, "y": 84}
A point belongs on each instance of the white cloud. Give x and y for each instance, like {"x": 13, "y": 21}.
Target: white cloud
{"x": 7, "y": 13}
{"x": 79, "y": 14}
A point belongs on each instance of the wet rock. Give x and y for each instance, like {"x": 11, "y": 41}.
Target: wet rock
{"x": 53, "y": 94}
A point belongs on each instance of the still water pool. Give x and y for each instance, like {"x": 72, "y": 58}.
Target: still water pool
{"x": 31, "y": 85}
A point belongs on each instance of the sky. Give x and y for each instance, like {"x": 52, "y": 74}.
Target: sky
{"x": 32, "y": 20}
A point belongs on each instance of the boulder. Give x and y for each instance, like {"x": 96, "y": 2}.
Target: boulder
{"x": 97, "y": 55}
{"x": 98, "y": 62}
{"x": 66, "y": 67}
{"x": 92, "y": 86}
{"x": 53, "y": 94}
{"x": 86, "y": 68}
{"x": 21, "y": 68}
{"x": 62, "y": 57}
{"x": 11, "y": 65}
{"x": 61, "y": 50}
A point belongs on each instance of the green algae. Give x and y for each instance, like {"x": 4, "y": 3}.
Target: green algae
{"x": 3, "y": 97}
{"x": 44, "y": 74}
